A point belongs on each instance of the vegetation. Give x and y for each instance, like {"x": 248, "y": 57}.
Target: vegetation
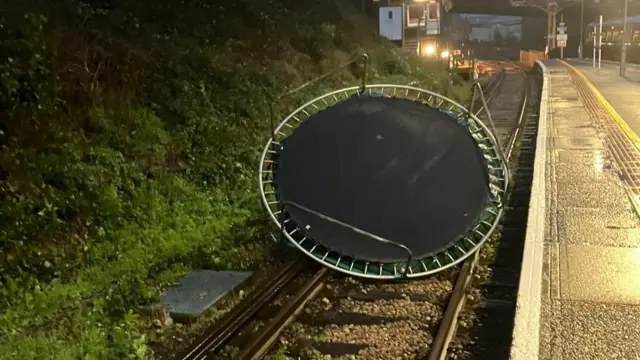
{"x": 129, "y": 135}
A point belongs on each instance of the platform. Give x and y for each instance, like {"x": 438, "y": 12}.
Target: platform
{"x": 579, "y": 294}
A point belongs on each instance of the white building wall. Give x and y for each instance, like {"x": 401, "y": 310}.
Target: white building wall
{"x": 390, "y": 22}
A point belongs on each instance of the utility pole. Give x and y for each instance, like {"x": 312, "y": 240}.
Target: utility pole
{"x": 552, "y": 12}
{"x": 562, "y": 47}
{"x": 581, "y": 48}
{"x": 623, "y": 50}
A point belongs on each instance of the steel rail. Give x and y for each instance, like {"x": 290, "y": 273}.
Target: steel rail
{"x": 216, "y": 335}
{"x": 268, "y": 335}
{"x": 448, "y": 325}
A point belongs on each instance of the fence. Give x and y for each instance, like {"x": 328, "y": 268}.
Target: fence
{"x": 529, "y": 57}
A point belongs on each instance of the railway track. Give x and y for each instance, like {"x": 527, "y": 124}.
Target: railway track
{"x": 494, "y": 309}
{"x": 404, "y": 319}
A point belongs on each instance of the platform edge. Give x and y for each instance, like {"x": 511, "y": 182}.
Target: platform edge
{"x": 631, "y": 135}
{"x": 526, "y": 331}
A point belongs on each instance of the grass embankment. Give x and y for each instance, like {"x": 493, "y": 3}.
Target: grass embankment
{"x": 129, "y": 138}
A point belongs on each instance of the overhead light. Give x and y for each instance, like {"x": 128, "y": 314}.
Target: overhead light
{"x": 444, "y": 54}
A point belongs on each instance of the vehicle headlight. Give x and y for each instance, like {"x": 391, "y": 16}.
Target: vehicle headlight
{"x": 445, "y": 54}
{"x": 429, "y": 50}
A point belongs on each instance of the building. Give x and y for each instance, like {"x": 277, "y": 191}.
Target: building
{"x": 415, "y": 25}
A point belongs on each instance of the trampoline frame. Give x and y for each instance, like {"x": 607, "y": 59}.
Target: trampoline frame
{"x": 434, "y": 262}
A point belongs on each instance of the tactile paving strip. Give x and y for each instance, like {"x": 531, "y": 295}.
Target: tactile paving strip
{"x": 624, "y": 153}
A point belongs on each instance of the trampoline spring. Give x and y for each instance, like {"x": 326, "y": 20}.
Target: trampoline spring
{"x": 271, "y": 152}
{"x": 287, "y": 125}
{"x": 272, "y": 203}
{"x": 296, "y": 118}
{"x": 366, "y": 267}
{"x": 461, "y": 249}
{"x": 269, "y": 192}
{"x": 286, "y": 221}
{"x": 451, "y": 108}
{"x": 478, "y": 232}
{"x": 294, "y": 231}
{"x": 281, "y": 133}
{"x": 315, "y": 106}
{"x": 313, "y": 248}
{"x": 267, "y": 181}
{"x": 267, "y": 161}
{"x": 303, "y": 240}
{"x": 380, "y": 272}
{"x": 410, "y": 269}
{"x": 395, "y": 270}
{"x": 325, "y": 101}
{"x": 395, "y": 90}
{"x": 335, "y": 98}
{"x": 306, "y": 112}
{"x": 325, "y": 255}
{"x": 353, "y": 263}
{"x": 277, "y": 212}
{"x": 449, "y": 255}
{"x": 469, "y": 241}
{"x": 424, "y": 266}
{"x": 440, "y": 103}
{"x": 338, "y": 261}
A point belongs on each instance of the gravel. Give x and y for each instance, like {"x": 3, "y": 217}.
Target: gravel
{"x": 410, "y": 328}
{"x": 399, "y": 340}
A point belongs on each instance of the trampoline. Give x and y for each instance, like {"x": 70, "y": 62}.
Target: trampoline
{"x": 390, "y": 181}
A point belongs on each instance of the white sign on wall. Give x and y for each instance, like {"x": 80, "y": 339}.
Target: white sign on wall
{"x": 390, "y": 22}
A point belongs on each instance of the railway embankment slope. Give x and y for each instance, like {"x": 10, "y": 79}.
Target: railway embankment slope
{"x": 129, "y": 136}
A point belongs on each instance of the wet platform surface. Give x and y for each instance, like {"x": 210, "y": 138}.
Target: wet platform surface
{"x": 591, "y": 271}
{"x": 621, "y": 93}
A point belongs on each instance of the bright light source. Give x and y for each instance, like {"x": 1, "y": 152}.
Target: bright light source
{"x": 445, "y": 54}
{"x": 429, "y": 50}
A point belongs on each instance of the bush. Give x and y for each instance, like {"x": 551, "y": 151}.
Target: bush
{"x": 128, "y": 150}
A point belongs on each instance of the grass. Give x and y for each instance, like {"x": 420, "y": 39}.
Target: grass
{"x": 129, "y": 146}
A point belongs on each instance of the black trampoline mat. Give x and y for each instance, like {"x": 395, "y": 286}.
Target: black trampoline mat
{"x": 391, "y": 167}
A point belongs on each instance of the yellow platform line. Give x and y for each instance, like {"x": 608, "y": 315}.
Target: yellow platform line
{"x": 631, "y": 135}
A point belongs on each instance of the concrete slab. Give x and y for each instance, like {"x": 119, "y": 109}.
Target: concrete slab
{"x": 591, "y": 193}
{"x": 574, "y": 142}
{"x": 566, "y": 104}
{"x": 598, "y": 227}
{"x": 579, "y": 131}
{"x": 589, "y": 331}
{"x": 597, "y": 160}
{"x": 593, "y": 166}
{"x": 200, "y": 290}
{"x": 600, "y": 274}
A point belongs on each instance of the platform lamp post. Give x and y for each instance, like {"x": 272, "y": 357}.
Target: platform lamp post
{"x": 623, "y": 50}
